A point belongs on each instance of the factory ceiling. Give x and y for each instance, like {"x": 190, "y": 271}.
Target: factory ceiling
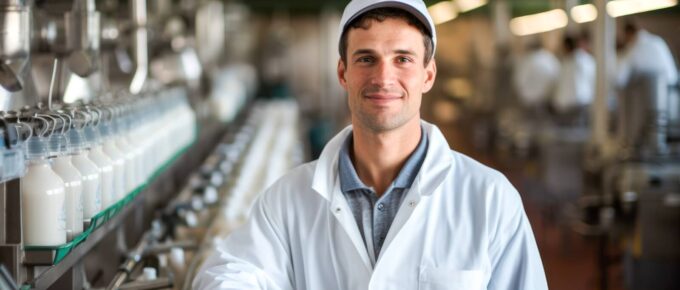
{"x": 518, "y": 7}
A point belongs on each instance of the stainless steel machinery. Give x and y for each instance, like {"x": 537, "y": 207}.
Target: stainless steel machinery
{"x": 632, "y": 194}
{"x": 59, "y": 57}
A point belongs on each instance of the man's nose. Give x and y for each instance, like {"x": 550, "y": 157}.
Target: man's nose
{"x": 384, "y": 74}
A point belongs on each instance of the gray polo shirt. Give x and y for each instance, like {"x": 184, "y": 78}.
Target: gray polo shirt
{"x": 374, "y": 215}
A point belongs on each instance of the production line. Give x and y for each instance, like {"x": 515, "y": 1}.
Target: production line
{"x": 103, "y": 124}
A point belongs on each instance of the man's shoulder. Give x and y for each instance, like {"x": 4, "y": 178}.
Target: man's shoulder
{"x": 297, "y": 177}
{"x": 293, "y": 189}
{"x": 480, "y": 180}
{"x": 466, "y": 166}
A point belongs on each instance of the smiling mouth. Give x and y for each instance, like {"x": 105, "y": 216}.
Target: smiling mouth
{"x": 382, "y": 97}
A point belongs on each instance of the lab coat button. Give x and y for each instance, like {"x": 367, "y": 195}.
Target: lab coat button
{"x": 412, "y": 203}
{"x": 381, "y": 207}
{"x": 337, "y": 210}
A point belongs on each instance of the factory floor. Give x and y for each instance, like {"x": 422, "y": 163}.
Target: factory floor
{"x": 569, "y": 259}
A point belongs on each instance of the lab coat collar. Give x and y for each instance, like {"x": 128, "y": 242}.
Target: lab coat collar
{"x": 436, "y": 165}
{"x": 438, "y": 161}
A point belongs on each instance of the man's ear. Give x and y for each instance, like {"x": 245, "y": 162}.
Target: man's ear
{"x": 341, "y": 73}
{"x": 430, "y": 75}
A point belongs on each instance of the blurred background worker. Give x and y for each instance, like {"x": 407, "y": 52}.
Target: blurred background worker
{"x": 647, "y": 78}
{"x": 576, "y": 84}
{"x": 644, "y": 52}
{"x": 535, "y": 76}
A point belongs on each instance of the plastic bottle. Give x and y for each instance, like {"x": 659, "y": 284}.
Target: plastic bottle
{"x": 104, "y": 163}
{"x": 73, "y": 183}
{"x": 144, "y": 138}
{"x": 90, "y": 173}
{"x": 110, "y": 149}
{"x": 189, "y": 123}
{"x": 43, "y": 198}
{"x": 178, "y": 263}
{"x": 138, "y": 177}
{"x": 148, "y": 274}
{"x": 128, "y": 153}
{"x": 12, "y": 154}
{"x": 156, "y": 131}
{"x": 133, "y": 122}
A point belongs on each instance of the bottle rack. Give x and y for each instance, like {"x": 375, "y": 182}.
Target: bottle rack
{"x": 52, "y": 255}
{"x": 66, "y": 273}
{"x": 62, "y": 266}
{"x": 65, "y": 256}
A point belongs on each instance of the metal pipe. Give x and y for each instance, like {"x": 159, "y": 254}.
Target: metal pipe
{"x": 52, "y": 80}
{"x": 15, "y": 27}
{"x": 133, "y": 259}
{"x": 83, "y": 23}
{"x": 139, "y": 46}
{"x": 605, "y": 54}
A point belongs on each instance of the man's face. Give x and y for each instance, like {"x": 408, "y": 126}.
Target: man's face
{"x": 385, "y": 76}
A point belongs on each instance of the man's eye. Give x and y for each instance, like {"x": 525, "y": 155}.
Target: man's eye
{"x": 403, "y": 59}
{"x": 365, "y": 59}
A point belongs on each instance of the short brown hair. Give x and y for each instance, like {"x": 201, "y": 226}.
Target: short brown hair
{"x": 380, "y": 14}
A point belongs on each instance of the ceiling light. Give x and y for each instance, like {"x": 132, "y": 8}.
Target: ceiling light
{"x": 540, "y": 22}
{"x": 583, "y": 13}
{"x": 467, "y": 5}
{"x": 626, "y": 7}
{"x": 443, "y": 11}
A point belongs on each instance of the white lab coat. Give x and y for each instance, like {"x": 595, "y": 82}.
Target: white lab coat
{"x": 461, "y": 226}
{"x": 576, "y": 85}
{"x": 647, "y": 54}
{"x": 535, "y": 76}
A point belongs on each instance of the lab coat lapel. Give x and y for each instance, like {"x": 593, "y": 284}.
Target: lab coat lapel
{"x": 408, "y": 206}
{"x": 326, "y": 170}
{"x": 327, "y": 184}
{"x": 343, "y": 214}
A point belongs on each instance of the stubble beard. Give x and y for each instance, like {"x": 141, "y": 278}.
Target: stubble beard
{"x": 384, "y": 122}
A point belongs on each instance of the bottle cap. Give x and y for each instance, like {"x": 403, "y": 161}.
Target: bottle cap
{"x": 57, "y": 144}
{"x": 105, "y": 130}
{"x": 37, "y": 147}
{"x": 92, "y": 135}
{"x": 76, "y": 140}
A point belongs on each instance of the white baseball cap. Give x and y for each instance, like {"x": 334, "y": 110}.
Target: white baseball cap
{"x": 417, "y": 8}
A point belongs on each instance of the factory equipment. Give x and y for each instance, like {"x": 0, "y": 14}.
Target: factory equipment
{"x": 633, "y": 193}
{"x": 48, "y": 201}
{"x": 15, "y": 54}
{"x": 103, "y": 115}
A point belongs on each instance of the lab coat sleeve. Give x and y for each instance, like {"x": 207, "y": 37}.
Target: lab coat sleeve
{"x": 515, "y": 260}
{"x": 670, "y": 71}
{"x": 623, "y": 71}
{"x": 255, "y": 256}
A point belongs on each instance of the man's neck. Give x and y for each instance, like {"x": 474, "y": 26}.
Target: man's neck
{"x": 378, "y": 157}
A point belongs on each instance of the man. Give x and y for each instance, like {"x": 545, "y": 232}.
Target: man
{"x": 647, "y": 78}
{"x": 576, "y": 86}
{"x": 644, "y": 53}
{"x": 387, "y": 205}
{"x": 535, "y": 76}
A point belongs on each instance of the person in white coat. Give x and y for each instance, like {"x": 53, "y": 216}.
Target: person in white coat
{"x": 387, "y": 205}
{"x": 535, "y": 76}
{"x": 576, "y": 85}
{"x": 644, "y": 53}
{"x": 645, "y": 58}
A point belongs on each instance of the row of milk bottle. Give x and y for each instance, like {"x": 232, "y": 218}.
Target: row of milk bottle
{"x": 75, "y": 173}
